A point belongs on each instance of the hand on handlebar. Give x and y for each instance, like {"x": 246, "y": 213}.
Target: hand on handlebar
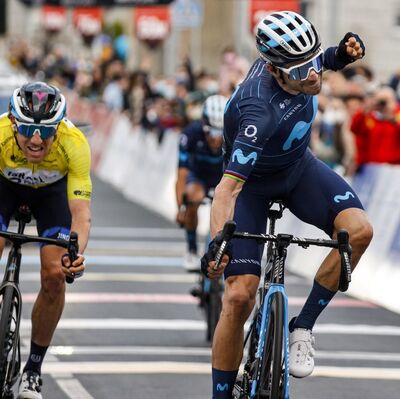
{"x": 219, "y": 252}
{"x": 208, "y": 260}
{"x": 180, "y": 216}
{"x": 73, "y": 269}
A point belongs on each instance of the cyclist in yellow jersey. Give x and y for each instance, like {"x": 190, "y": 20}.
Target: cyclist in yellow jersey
{"x": 45, "y": 163}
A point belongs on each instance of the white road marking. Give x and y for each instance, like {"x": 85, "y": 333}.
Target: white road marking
{"x": 129, "y": 277}
{"x": 65, "y": 380}
{"x": 369, "y": 373}
{"x": 123, "y": 297}
{"x": 200, "y": 325}
{"x": 136, "y": 232}
{"x": 91, "y": 368}
{"x": 357, "y": 329}
{"x": 142, "y": 277}
{"x": 194, "y": 351}
{"x": 105, "y": 260}
{"x": 165, "y": 246}
{"x": 123, "y": 232}
{"x": 344, "y": 355}
{"x": 127, "y": 297}
{"x": 72, "y": 388}
{"x": 128, "y": 350}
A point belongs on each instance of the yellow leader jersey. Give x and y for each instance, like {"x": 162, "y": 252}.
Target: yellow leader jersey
{"x": 69, "y": 155}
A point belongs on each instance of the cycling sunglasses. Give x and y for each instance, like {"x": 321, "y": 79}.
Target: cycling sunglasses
{"x": 29, "y": 129}
{"x": 213, "y": 132}
{"x": 302, "y": 71}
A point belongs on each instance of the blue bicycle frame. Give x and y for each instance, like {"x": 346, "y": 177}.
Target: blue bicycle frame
{"x": 265, "y": 313}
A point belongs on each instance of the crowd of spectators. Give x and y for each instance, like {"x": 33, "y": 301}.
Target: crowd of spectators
{"x": 358, "y": 120}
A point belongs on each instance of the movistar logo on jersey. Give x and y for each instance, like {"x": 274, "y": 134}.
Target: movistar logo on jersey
{"x": 222, "y": 388}
{"x": 345, "y": 197}
{"x": 301, "y": 128}
{"x": 238, "y": 156}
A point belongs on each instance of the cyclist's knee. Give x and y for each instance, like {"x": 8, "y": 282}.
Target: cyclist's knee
{"x": 360, "y": 230}
{"x": 361, "y": 236}
{"x": 53, "y": 280}
{"x": 239, "y": 297}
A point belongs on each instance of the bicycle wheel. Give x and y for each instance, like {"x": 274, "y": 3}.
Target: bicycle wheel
{"x": 213, "y": 307}
{"x": 242, "y": 385}
{"x": 271, "y": 374}
{"x": 8, "y": 334}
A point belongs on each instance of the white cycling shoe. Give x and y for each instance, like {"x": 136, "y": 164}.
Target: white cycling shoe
{"x": 191, "y": 262}
{"x": 301, "y": 356}
{"x": 30, "y": 386}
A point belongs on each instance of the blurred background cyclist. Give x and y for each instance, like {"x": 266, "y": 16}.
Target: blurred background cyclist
{"x": 199, "y": 170}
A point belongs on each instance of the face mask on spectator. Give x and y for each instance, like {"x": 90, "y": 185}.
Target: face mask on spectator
{"x": 212, "y": 86}
{"x": 194, "y": 112}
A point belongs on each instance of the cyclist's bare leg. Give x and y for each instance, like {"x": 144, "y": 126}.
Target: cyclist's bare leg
{"x": 325, "y": 286}
{"x": 49, "y": 304}
{"x": 355, "y": 221}
{"x": 238, "y": 302}
{"x": 195, "y": 194}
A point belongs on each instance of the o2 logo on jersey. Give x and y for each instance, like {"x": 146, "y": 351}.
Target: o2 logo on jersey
{"x": 251, "y": 131}
{"x": 238, "y": 156}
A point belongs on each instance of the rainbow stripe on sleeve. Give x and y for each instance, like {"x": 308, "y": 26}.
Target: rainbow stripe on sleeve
{"x": 235, "y": 176}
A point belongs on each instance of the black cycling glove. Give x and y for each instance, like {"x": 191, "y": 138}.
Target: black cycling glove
{"x": 213, "y": 248}
{"x": 75, "y": 275}
{"x": 341, "y": 54}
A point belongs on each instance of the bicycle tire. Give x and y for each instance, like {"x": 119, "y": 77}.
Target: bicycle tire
{"x": 6, "y": 308}
{"x": 271, "y": 373}
{"x": 213, "y": 307}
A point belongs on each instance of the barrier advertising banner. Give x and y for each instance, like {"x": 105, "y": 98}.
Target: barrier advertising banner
{"x": 88, "y": 21}
{"x": 258, "y": 8}
{"x": 96, "y": 3}
{"x": 54, "y": 18}
{"x": 152, "y": 24}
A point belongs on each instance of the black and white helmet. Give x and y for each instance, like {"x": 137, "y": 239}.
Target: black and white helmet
{"x": 38, "y": 102}
{"x": 213, "y": 111}
{"x": 284, "y": 37}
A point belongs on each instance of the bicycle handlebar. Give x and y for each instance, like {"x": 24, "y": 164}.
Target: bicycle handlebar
{"x": 342, "y": 244}
{"x": 73, "y": 249}
{"x": 227, "y": 234}
{"x": 71, "y": 245}
{"x": 345, "y": 256}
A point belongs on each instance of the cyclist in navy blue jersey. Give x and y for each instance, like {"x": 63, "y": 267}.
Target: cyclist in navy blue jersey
{"x": 199, "y": 170}
{"x": 267, "y": 127}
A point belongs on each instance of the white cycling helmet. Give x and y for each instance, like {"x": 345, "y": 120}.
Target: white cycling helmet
{"x": 213, "y": 111}
{"x": 38, "y": 102}
{"x": 284, "y": 37}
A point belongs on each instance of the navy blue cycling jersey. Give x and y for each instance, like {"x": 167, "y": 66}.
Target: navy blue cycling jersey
{"x": 267, "y": 129}
{"x": 196, "y": 155}
{"x": 267, "y": 132}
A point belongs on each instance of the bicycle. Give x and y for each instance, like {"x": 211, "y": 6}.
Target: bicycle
{"x": 11, "y": 299}
{"x": 209, "y": 292}
{"x": 266, "y": 365}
